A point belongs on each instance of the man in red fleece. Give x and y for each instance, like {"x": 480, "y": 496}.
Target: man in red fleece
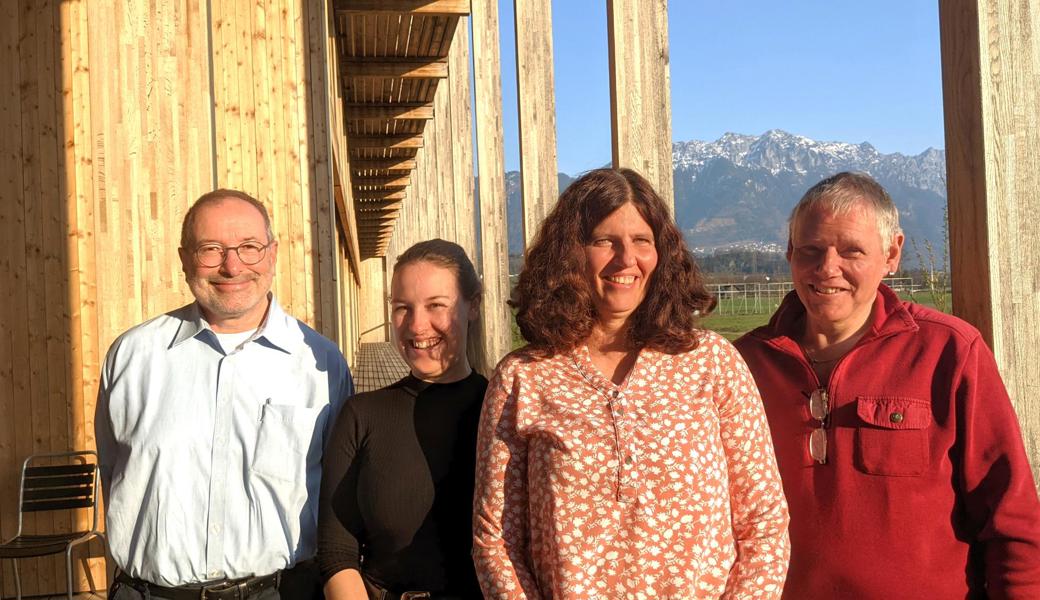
{"x": 900, "y": 452}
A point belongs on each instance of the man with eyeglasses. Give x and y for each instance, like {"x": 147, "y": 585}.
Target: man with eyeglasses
{"x": 900, "y": 453}
{"x": 211, "y": 422}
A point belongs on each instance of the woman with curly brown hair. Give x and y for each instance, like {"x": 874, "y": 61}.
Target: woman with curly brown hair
{"x": 623, "y": 452}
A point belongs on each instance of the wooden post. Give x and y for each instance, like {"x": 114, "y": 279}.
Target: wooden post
{"x": 991, "y": 96}
{"x": 640, "y": 96}
{"x": 462, "y": 140}
{"x": 536, "y": 112}
{"x": 494, "y": 262}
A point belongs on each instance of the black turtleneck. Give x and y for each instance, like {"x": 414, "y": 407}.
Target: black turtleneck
{"x": 397, "y": 487}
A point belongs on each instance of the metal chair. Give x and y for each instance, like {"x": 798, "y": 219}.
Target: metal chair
{"x": 53, "y": 487}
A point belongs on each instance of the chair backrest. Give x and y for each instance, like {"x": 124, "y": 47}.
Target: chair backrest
{"x": 59, "y": 486}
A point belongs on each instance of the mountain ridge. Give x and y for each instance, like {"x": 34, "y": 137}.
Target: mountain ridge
{"x": 739, "y": 189}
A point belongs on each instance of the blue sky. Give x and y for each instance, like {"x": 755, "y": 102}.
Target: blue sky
{"x": 831, "y": 70}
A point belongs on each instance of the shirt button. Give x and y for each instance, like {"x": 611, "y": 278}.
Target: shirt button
{"x": 215, "y": 529}
{"x": 896, "y": 417}
{"x": 629, "y": 460}
{"x": 615, "y": 394}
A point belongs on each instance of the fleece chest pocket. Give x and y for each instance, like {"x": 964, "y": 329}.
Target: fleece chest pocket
{"x": 288, "y": 435}
{"x": 892, "y": 437}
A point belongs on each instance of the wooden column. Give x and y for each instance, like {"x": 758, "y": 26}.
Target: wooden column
{"x": 640, "y": 96}
{"x": 494, "y": 265}
{"x": 536, "y": 112}
{"x": 991, "y": 96}
{"x": 462, "y": 140}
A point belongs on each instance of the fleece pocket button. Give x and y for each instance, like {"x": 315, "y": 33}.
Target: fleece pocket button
{"x": 896, "y": 417}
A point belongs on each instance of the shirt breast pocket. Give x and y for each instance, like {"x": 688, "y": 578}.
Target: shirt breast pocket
{"x": 892, "y": 438}
{"x": 288, "y": 435}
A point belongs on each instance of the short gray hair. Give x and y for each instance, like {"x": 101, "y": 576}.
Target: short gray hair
{"x": 218, "y": 195}
{"x": 843, "y": 192}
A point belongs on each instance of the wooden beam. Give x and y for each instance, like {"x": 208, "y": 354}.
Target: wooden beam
{"x": 496, "y": 334}
{"x": 379, "y": 219}
{"x": 991, "y": 99}
{"x": 414, "y": 111}
{"x": 391, "y": 181}
{"x": 382, "y": 164}
{"x": 362, "y": 190}
{"x": 640, "y": 100}
{"x": 374, "y": 206}
{"x": 536, "y": 112}
{"x": 436, "y": 68}
{"x": 386, "y": 141}
{"x": 361, "y": 197}
{"x": 414, "y": 7}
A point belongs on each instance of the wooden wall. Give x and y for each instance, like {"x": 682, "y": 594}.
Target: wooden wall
{"x": 116, "y": 116}
{"x": 991, "y": 93}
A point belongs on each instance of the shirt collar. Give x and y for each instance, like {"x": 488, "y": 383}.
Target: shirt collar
{"x": 275, "y": 328}
{"x": 888, "y": 316}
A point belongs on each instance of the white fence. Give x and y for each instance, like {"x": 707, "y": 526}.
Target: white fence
{"x": 755, "y": 298}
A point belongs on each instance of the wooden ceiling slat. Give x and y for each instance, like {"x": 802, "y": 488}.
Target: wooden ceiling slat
{"x": 436, "y": 68}
{"x": 388, "y": 181}
{"x": 418, "y": 7}
{"x": 374, "y": 195}
{"x": 377, "y": 205}
{"x": 400, "y": 110}
{"x": 390, "y": 141}
{"x": 399, "y": 164}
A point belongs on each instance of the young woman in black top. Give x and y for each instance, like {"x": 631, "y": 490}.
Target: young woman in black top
{"x": 397, "y": 485}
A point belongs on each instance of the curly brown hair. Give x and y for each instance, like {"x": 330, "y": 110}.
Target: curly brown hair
{"x": 553, "y": 299}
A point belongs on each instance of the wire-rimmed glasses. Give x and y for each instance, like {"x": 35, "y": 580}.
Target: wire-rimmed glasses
{"x": 214, "y": 255}
{"x": 820, "y": 409}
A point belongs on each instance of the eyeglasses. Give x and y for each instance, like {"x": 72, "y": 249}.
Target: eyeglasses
{"x": 214, "y": 255}
{"x": 820, "y": 409}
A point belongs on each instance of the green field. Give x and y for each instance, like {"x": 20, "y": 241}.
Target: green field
{"x": 733, "y": 326}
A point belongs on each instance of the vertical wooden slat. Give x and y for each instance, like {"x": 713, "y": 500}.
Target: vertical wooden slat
{"x": 11, "y": 251}
{"x": 462, "y": 139}
{"x": 446, "y": 194}
{"x": 247, "y": 101}
{"x": 640, "y": 96}
{"x": 494, "y": 263}
{"x": 54, "y": 263}
{"x": 991, "y": 97}
{"x": 83, "y": 326}
{"x": 297, "y": 226}
{"x": 33, "y": 291}
{"x": 536, "y": 114}
{"x": 323, "y": 248}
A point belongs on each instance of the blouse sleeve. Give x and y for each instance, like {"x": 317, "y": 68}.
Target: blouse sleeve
{"x": 757, "y": 504}
{"x": 500, "y": 525}
{"x": 338, "y": 547}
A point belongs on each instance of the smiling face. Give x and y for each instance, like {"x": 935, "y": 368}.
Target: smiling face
{"x": 430, "y": 321}
{"x": 232, "y": 295}
{"x": 620, "y": 257}
{"x": 837, "y": 262}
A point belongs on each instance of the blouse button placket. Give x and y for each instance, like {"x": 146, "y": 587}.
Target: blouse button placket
{"x": 628, "y": 475}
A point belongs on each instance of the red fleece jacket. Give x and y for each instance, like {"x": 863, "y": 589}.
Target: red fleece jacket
{"x": 927, "y": 492}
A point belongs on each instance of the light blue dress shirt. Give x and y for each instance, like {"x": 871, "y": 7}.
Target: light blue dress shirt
{"x": 211, "y": 462}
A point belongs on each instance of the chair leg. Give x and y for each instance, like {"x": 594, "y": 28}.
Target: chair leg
{"x": 68, "y": 572}
{"x": 17, "y": 580}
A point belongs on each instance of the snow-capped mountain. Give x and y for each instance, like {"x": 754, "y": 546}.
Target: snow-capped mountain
{"x": 739, "y": 189}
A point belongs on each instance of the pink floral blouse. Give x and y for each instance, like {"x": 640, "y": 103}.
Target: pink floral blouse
{"x": 663, "y": 487}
